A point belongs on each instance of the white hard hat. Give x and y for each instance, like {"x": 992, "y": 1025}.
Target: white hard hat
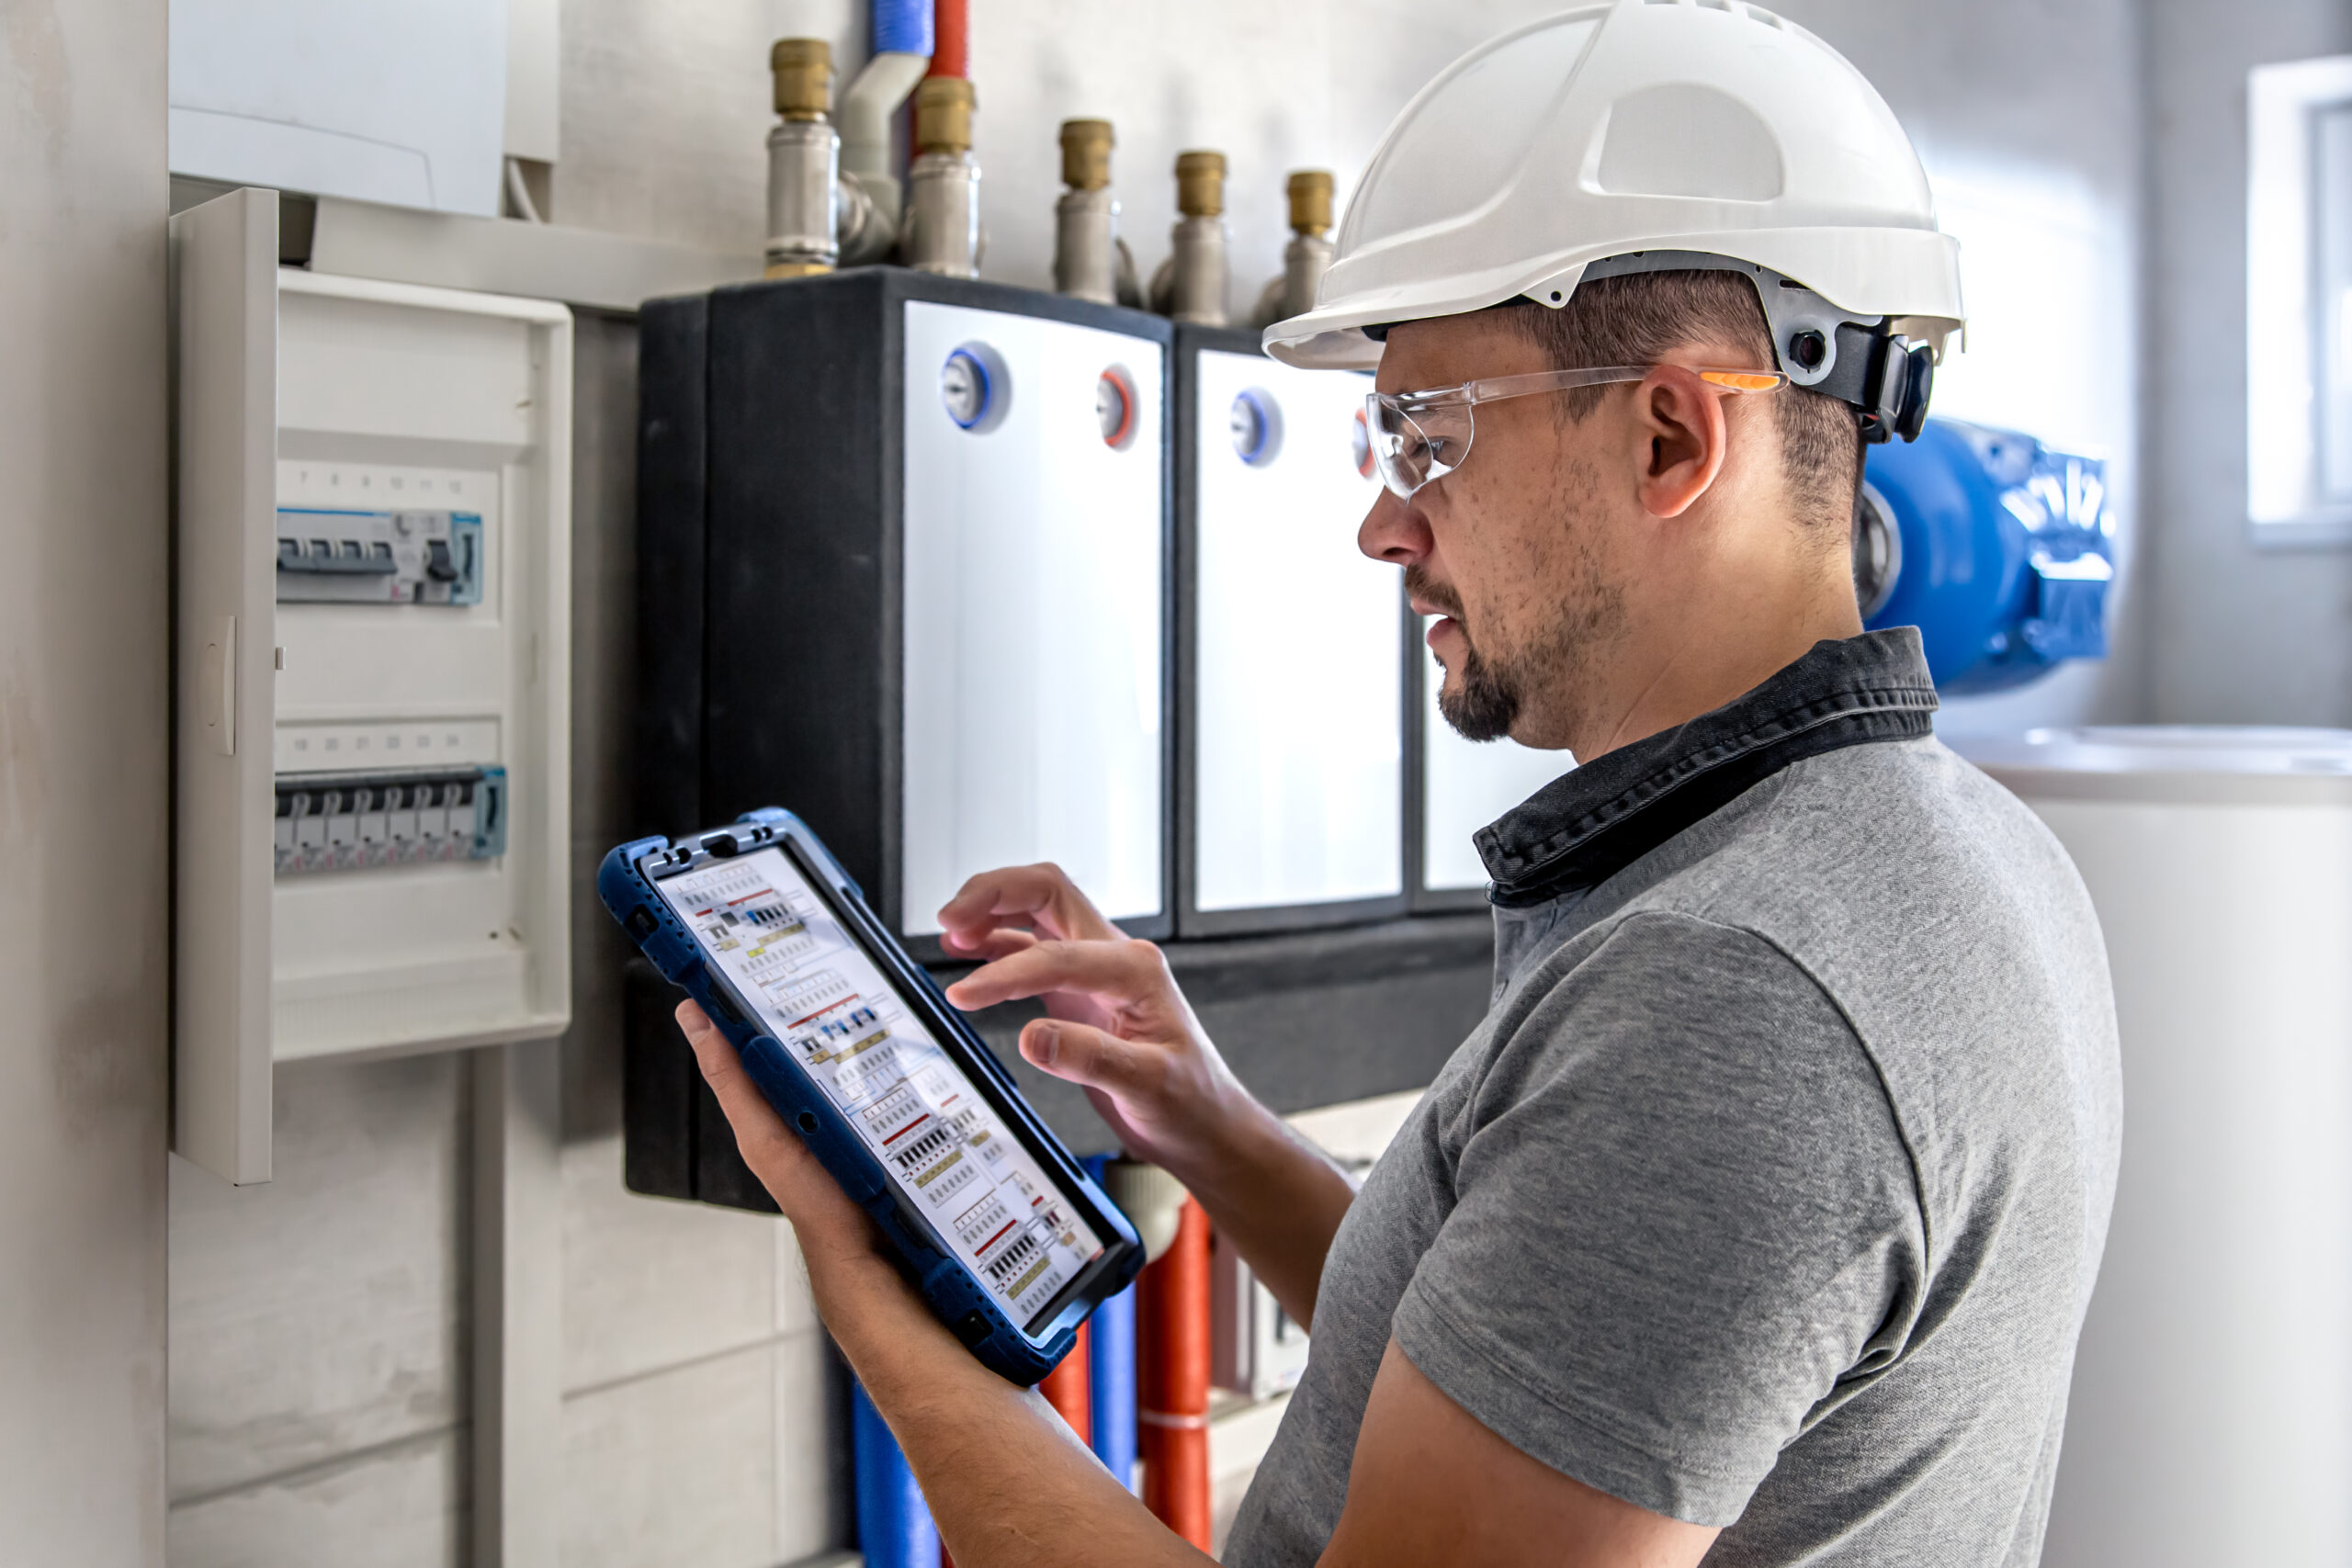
{"x": 1643, "y": 135}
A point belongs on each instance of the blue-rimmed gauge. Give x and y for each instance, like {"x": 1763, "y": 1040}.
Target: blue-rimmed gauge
{"x": 965, "y": 386}
{"x": 1257, "y": 424}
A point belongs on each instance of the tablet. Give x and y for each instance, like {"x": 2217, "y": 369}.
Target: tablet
{"x": 850, "y": 1040}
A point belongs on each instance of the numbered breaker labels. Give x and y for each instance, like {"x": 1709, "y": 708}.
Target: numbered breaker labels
{"x": 334, "y": 556}
{"x": 349, "y": 821}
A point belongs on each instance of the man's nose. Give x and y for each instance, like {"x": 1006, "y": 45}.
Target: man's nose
{"x": 1393, "y": 531}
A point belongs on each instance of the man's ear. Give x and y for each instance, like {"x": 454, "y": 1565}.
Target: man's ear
{"x": 1680, "y": 427}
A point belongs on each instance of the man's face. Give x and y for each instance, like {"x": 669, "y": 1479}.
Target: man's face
{"x": 1513, "y": 550}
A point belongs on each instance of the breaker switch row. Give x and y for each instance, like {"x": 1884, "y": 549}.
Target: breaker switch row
{"x": 349, "y": 821}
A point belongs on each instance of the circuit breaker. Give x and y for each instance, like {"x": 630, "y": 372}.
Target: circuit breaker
{"x": 904, "y": 552}
{"x": 1290, "y": 649}
{"x": 374, "y": 589}
{"x": 1458, "y": 786}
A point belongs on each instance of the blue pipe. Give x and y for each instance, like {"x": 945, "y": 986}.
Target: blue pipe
{"x": 893, "y": 1528}
{"x": 902, "y": 27}
{"x": 1111, "y": 1371}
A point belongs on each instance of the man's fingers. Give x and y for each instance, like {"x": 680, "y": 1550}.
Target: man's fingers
{"x": 1085, "y": 1054}
{"x": 769, "y": 1146}
{"x": 1130, "y": 971}
{"x": 1038, "y": 895}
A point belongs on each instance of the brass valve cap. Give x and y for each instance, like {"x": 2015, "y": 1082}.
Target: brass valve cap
{"x": 1310, "y": 201}
{"x": 944, "y": 107}
{"x": 1086, "y": 153}
{"x": 804, "y": 77}
{"x": 1200, "y": 184}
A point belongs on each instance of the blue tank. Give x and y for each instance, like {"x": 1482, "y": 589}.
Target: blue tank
{"x": 1998, "y": 549}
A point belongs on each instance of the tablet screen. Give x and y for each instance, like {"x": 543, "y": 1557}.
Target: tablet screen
{"x": 987, "y": 1197}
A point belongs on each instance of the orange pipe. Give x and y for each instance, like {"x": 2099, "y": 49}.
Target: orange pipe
{"x": 1172, "y": 1379}
{"x": 950, "y": 39}
{"x": 1070, "y": 1391}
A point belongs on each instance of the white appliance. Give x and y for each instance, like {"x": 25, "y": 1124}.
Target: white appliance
{"x": 2210, "y": 1417}
{"x": 373, "y": 655}
{"x": 1464, "y": 786}
{"x": 1294, "y": 751}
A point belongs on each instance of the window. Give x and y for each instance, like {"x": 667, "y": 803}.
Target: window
{"x": 2299, "y": 301}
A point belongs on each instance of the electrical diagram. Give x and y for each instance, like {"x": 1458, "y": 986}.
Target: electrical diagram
{"x": 986, "y": 1196}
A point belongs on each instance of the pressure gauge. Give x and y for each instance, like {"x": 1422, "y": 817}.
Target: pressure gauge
{"x": 1360, "y": 435}
{"x": 963, "y": 388}
{"x": 1257, "y": 426}
{"x": 1114, "y": 408}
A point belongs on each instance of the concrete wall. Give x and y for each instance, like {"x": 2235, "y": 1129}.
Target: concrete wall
{"x": 319, "y": 1332}
{"x": 2249, "y": 635}
{"x": 83, "y": 749}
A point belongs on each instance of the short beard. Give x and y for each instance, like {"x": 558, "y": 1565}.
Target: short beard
{"x": 1488, "y": 697}
{"x": 1482, "y": 702}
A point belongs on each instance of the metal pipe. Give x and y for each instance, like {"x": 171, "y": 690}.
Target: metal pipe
{"x": 943, "y": 230}
{"x": 1086, "y": 218}
{"x": 1192, "y": 283}
{"x": 804, "y": 160}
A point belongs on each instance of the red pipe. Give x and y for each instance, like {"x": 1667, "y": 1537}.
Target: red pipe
{"x": 950, "y": 39}
{"x": 1070, "y": 1391}
{"x": 1172, "y": 1379}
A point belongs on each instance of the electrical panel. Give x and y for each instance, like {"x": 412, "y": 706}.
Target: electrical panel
{"x": 1290, "y": 649}
{"x": 374, "y": 596}
{"x": 1256, "y": 1349}
{"x": 904, "y": 553}
{"x": 1460, "y": 786}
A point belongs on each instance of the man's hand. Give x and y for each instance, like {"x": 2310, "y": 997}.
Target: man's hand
{"x": 1116, "y": 1024}
{"x": 843, "y": 1249}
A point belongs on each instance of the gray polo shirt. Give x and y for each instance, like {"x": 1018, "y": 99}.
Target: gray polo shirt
{"x": 1771, "y": 1190}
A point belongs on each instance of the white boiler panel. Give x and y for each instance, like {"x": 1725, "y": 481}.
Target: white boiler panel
{"x": 2210, "y": 1424}
{"x": 1465, "y": 785}
{"x": 1298, "y": 682}
{"x": 1034, "y": 670}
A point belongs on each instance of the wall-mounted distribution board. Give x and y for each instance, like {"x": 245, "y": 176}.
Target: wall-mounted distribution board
{"x": 1291, "y": 739}
{"x": 904, "y": 554}
{"x": 373, "y": 647}
{"x": 1456, "y": 788}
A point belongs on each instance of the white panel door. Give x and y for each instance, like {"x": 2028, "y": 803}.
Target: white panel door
{"x": 1298, "y": 684}
{"x": 1033, "y": 685}
{"x": 1467, "y": 784}
{"x": 224, "y": 277}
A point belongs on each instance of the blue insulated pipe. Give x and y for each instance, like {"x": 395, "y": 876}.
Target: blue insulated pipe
{"x": 893, "y": 1528}
{"x": 1111, "y": 1367}
{"x": 902, "y": 27}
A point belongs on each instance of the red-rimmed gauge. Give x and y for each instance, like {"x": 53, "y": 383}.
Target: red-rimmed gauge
{"x": 1115, "y": 407}
{"x": 1362, "y": 435}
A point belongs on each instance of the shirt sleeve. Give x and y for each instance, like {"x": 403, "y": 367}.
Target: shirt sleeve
{"x": 1682, "y": 1211}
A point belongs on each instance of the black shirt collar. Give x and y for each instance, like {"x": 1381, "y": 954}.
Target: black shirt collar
{"x": 1587, "y": 825}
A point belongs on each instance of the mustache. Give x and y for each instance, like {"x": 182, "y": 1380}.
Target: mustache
{"x": 1420, "y": 585}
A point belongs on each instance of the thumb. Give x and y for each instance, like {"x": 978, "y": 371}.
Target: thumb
{"x": 1093, "y": 1057}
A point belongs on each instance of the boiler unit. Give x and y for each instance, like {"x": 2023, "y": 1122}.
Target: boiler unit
{"x": 1290, "y": 773}
{"x": 904, "y": 564}
{"x": 2209, "y": 1422}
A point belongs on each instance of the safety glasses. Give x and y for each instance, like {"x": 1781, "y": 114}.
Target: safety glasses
{"x": 1420, "y": 436}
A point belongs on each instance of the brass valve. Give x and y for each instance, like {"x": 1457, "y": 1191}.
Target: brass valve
{"x": 1200, "y": 184}
{"x": 1086, "y": 153}
{"x": 943, "y": 115}
{"x": 804, "y": 77}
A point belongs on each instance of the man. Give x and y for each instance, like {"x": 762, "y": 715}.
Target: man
{"x": 1756, "y": 1222}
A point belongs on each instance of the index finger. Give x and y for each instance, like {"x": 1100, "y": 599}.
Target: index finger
{"x": 1128, "y": 971}
{"x": 1041, "y": 895}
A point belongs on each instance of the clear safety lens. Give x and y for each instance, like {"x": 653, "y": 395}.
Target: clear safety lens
{"x": 1411, "y": 449}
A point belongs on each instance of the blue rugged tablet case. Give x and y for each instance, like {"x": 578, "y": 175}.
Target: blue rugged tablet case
{"x": 1002, "y": 1345}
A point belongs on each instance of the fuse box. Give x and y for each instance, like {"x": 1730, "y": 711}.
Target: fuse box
{"x": 1291, "y": 672}
{"x": 374, "y": 589}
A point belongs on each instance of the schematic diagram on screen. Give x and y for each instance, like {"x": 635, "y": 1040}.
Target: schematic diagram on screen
{"x": 941, "y": 1142}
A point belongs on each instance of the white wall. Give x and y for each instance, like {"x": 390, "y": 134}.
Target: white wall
{"x": 83, "y": 746}
{"x": 700, "y": 1401}
{"x": 2248, "y": 635}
